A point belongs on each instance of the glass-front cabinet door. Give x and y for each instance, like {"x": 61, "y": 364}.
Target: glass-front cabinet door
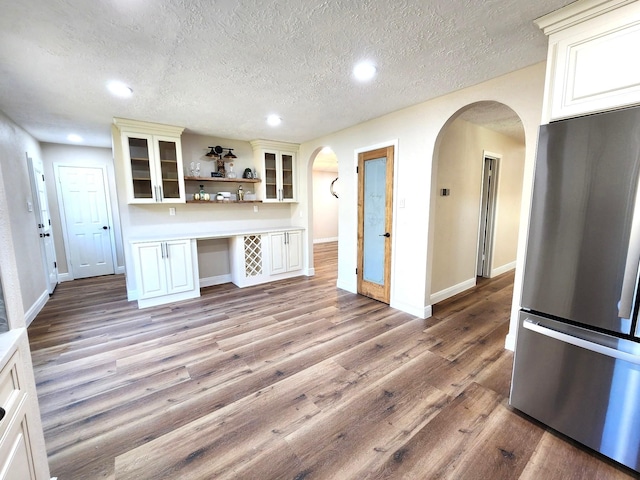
{"x": 170, "y": 171}
{"x": 154, "y": 167}
{"x": 140, "y": 165}
{"x": 271, "y": 177}
{"x": 287, "y": 192}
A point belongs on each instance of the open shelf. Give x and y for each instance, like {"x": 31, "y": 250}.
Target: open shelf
{"x": 223, "y": 179}
{"x": 224, "y": 201}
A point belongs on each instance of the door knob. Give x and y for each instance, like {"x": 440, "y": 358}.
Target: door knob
{"x": 45, "y": 235}
{"x": 105, "y": 227}
{"x": 386, "y": 234}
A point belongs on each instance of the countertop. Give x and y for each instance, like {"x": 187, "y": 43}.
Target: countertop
{"x": 210, "y": 235}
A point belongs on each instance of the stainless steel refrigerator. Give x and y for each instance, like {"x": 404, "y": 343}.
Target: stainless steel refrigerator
{"x": 577, "y": 357}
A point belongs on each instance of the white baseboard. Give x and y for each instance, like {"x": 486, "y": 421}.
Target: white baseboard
{"x": 416, "y": 311}
{"x": 217, "y": 280}
{"x": 35, "y": 309}
{"x": 325, "y": 240}
{"x": 510, "y": 342}
{"x": 310, "y": 272}
{"x": 132, "y": 295}
{"x": 503, "y": 269}
{"x": 64, "y": 277}
{"x": 67, "y": 277}
{"x": 347, "y": 286}
{"x": 451, "y": 291}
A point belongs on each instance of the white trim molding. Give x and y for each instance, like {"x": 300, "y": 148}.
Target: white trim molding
{"x": 451, "y": 291}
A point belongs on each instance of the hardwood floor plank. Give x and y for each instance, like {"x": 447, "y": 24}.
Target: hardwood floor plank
{"x": 292, "y": 379}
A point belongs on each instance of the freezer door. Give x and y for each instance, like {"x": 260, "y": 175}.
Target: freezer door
{"x": 581, "y": 220}
{"x": 585, "y": 385}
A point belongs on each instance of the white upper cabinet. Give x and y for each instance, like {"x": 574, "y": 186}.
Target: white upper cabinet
{"x": 592, "y": 60}
{"x": 152, "y": 160}
{"x": 278, "y": 161}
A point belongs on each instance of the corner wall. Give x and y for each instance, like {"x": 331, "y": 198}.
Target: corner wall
{"x": 15, "y": 145}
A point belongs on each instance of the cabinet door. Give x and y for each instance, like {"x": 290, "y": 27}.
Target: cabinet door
{"x": 288, "y": 177}
{"x": 179, "y": 266}
{"x": 151, "y": 273}
{"x": 139, "y": 158}
{"x": 169, "y": 174}
{"x": 16, "y": 461}
{"x": 271, "y": 176}
{"x": 278, "y": 253}
{"x": 294, "y": 250}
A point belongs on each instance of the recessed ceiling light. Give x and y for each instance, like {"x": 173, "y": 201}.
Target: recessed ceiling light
{"x": 364, "y": 71}
{"x": 119, "y": 89}
{"x": 72, "y": 137}
{"x": 274, "y": 120}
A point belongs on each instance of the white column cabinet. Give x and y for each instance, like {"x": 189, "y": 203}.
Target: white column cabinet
{"x": 22, "y": 448}
{"x": 591, "y": 64}
{"x": 286, "y": 251}
{"x": 152, "y": 161}
{"x": 279, "y": 176}
{"x": 166, "y": 271}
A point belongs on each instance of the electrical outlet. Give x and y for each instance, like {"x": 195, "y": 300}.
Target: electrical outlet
{"x": 255, "y": 208}
{"x": 172, "y": 211}
{"x": 29, "y": 206}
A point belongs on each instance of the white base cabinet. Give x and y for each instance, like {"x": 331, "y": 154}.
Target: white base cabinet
{"x": 22, "y": 451}
{"x": 166, "y": 271}
{"x": 592, "y": 61}
{"x": 286, "y": 251}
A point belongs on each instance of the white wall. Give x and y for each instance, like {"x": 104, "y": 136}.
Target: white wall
{"x": 460, "y": 167}
{"x": 79, "y": 156}
{"x": 21, "y": 225}
{"x": 325, "y": 208}
{"x": 416, "y": 130}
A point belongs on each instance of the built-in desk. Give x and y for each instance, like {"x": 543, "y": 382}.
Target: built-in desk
{"x": 166, "y": 266}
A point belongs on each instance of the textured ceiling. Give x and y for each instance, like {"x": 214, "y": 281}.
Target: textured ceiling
{"x": 220, "y": 67}
{"x": 495, "y": 116}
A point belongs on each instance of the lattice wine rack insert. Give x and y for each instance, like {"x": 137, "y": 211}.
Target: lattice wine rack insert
{"x": 253, "y": 255}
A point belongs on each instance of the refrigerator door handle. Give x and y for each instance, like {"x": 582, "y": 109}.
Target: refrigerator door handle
{"x": 630, "y": 279}
{"x": 533, "y": 326}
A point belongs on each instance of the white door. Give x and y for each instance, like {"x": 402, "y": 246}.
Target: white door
{"x": 86, "y": 219}
{"x": 43, "y": 220}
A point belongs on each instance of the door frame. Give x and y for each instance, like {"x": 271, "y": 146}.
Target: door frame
{"x": 394, "y": 204}
{"x": 488, "y": 214}
{"x": 63, "y": 218}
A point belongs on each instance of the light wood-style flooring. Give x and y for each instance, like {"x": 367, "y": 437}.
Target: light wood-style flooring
{"x": 291, "y": 380}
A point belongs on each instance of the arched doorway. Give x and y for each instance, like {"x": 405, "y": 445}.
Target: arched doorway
{"x": 324, "y": 198}
{"x": 478, "y": 175}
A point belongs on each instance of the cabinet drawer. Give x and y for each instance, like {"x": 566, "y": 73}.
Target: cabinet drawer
{"x": 11, "y": 393}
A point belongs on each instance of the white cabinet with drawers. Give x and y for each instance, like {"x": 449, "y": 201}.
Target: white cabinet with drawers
{"x": 22, "y": 451}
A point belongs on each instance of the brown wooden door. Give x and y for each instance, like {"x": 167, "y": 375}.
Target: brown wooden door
{"x": 375, "y": 201}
